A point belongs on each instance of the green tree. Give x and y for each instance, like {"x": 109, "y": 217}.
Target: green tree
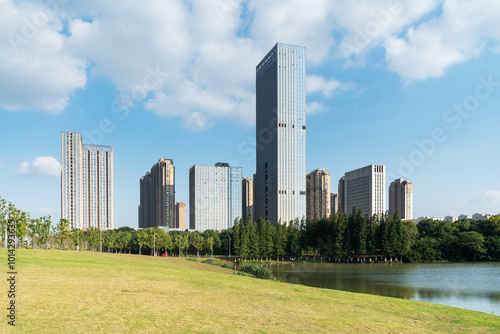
{"x": 77, "y": 237}
{"x": 44, "y": 230}
{"x": 236, "y": 237}
{"x": 471, "y": 246}
{"x": 184, "y": 242}
{"x": 294, "y": 238}
{"x": 3, "y": 220}
{"x": 93, "y": 235}
{"x": 109, "y": 240}
{"x": 244, "y": 240}
{"x": 61, "y": 231}
{"x": 253, "y": 239}
{"x": 197, "y": 242}
{"x": 209, "y": 245}
{"x": 269, "y": 238}
{"x": 21, "y": 219}
{"x": 492, "y": 245}
{"x": 280, "y": 239}
{"x": 33, "y": 225}
{"x": 169, "y": 243}
{"x": 141, "y": 237}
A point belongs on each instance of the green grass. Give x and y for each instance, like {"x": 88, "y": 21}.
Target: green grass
{"x": 84, "y": 292}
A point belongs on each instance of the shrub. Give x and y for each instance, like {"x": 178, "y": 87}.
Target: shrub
{"x": 209, "y": 261}
{"x": 257, "y": 271}
{"x": 227, "y": 266}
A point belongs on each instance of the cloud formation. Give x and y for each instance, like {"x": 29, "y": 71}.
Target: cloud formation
{"x": 207, "y": 50}
{"x": 41, "y": 166}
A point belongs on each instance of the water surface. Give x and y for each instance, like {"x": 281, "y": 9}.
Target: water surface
{"x": 473, "y": 286}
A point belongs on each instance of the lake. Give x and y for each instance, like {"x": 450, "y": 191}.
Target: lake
{"x": 473, "y": 286}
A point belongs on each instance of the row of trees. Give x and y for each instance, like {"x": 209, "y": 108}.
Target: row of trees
{"x": 340, "y": 236}
{"x": 337, "y": 236}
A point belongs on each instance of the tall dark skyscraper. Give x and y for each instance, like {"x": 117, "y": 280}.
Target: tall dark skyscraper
{"x": 280, "y": 182}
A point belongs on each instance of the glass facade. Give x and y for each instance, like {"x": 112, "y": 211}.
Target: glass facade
{"x": 214, "y": 196}
{"x": 86, "y": 183}
{"x": 280, "y": 182}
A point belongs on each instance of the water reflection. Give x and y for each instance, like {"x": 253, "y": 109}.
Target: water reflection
{"x": 474, "y": 286}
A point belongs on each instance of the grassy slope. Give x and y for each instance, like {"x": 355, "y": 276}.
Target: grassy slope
{"x": 70, "y": 292}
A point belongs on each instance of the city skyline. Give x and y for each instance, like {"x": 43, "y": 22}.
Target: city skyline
{"x": 372, "y": 98}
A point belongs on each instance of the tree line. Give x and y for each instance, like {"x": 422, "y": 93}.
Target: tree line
{"x": 337, "y": 237}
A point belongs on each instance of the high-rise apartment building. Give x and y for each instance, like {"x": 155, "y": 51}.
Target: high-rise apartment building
{"x": 365, "y": 189}
{"x": 401, "y": 199}
{"x": 334, "y": 203}
{"x": 341, "y": 194}
{"x": 180, "y": 215}
{"x": 247, "y": 208}
{"x": 157, "y": 196}
{"x": 86, "y": 183}
{"x": 280, "y": 182}
{"x": 214, "y": 196}
{"x": 318, "y": 194}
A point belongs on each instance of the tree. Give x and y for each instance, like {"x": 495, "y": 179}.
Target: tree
{"x": 360, "y": 232}
{"x": 294, "y": 238}
{"x": 209, "y": 245}
{"x": 33, "y": 225}
{"x": 280, "y": 239}
{"x": 471, "y": 246}
{"x": 77, "y": 237}
{"x": 44, "y": 230}
{"x": 110, "y": 238}
{"x": 21, "y": 218}
{"x": 3, "y": 219}
{"x": 141, "y": 237}
{"x": 168, "y": 243}
{"x": 163, "y": 240}
{"x": 61, "y": 231}
{"x": 197, "y": 242}
{"x": 93, "y": 237}
{"x": 254, "y": 250}
{"x": 184, "y": 239}
{"x": 340, "y": 226}
{"x": 269, "y": 238}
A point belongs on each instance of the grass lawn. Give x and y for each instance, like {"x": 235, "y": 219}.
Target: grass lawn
{"x": 84, "y": 292}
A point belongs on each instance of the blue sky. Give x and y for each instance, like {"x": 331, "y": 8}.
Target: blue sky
{"x": 176, "y": 79}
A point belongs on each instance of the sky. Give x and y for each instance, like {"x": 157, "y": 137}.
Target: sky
{"x": 413, "y": 85}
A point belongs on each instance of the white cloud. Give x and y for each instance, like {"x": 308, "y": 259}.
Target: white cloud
{"x": 207, "y": 50}
{"x": 36, "y": 69}
{"x": 316, "y": 108}
{"x": 370, "y": 22}
{"x": 41, "y": 165}
{"x": 460, "y": 33}
{"x": 316, "y": 83}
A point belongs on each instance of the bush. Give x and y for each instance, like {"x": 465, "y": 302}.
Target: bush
{"x": 226, "y": 265}
{"x": 209, "y": 261}
{"x": 257, "y": 271}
